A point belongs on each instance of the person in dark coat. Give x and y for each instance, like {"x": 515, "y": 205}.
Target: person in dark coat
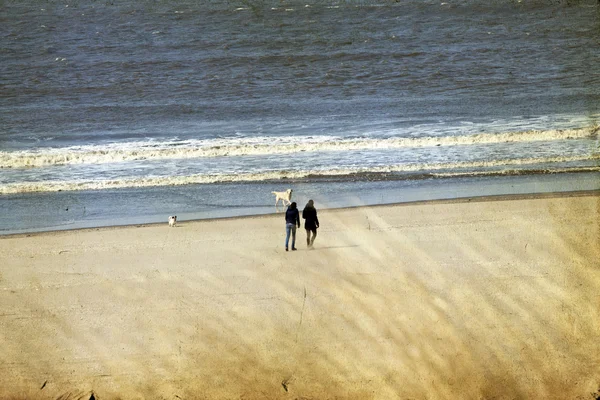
{"x": 311, "y": 222}
{"x": 292, "y": 219}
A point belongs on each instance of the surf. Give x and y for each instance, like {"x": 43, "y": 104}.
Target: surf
{"x": 505, "y": 167}
{"x": 196, "y": 148}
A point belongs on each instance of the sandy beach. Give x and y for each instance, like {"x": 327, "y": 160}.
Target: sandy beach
{"x": 494, "y": 298}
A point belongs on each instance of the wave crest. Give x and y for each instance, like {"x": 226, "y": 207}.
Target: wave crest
{"x": 133, "y": 151}
{"x": 412, "y": 171}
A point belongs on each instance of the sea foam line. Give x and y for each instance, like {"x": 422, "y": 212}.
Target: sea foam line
{"x": 424, "y": 169}
{"x": 135, "y": 151}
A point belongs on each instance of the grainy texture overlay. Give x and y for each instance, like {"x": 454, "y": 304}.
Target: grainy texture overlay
{"x": 483, "y": 299}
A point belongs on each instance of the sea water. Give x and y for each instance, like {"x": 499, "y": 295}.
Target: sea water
{"x": 127, "y": 112}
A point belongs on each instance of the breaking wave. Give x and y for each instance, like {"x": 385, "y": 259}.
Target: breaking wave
{"x": 185, "y": 149}
{"x": 392, "y": 172}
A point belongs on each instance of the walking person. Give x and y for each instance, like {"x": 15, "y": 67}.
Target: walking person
{"x": 311, "y": 222}
{"x": 292, "y": 219}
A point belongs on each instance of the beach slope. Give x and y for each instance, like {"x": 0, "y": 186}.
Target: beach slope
{"x": 493, "y": 298}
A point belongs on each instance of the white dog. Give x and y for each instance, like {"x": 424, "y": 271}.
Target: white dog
{"x": 172, "y": 220}
{"x": 283, "y": 196}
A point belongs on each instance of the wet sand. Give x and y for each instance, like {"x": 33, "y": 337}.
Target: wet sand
{"x": 484, "y": 299}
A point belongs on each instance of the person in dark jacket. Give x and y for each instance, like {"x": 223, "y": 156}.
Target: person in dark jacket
{"x": 292, "y": 219}
{"x": 311, "y": 222}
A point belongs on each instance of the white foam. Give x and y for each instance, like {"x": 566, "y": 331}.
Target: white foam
{"x": 438, "y": 169}
{"x": 132, "y": 151}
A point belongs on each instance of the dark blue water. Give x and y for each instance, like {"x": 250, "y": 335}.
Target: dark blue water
{"x": 85, "y": 72}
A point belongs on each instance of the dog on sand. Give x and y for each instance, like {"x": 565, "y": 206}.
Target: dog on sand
{"x": 283, "y": 196}
{"x": 172, "y": 220}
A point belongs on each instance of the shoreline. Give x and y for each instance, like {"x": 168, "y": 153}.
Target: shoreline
{"x": 66, "y": 211}
{"x": 473, "y": 199}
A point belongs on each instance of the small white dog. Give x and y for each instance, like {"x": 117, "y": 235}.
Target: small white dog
{"x": 283, "y": 196}
{"x": 172, "y": 220}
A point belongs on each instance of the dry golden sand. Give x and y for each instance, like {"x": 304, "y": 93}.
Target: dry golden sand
{"x": 496, "y": 299}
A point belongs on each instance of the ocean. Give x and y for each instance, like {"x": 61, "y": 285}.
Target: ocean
{"x": 127, "y": 112}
